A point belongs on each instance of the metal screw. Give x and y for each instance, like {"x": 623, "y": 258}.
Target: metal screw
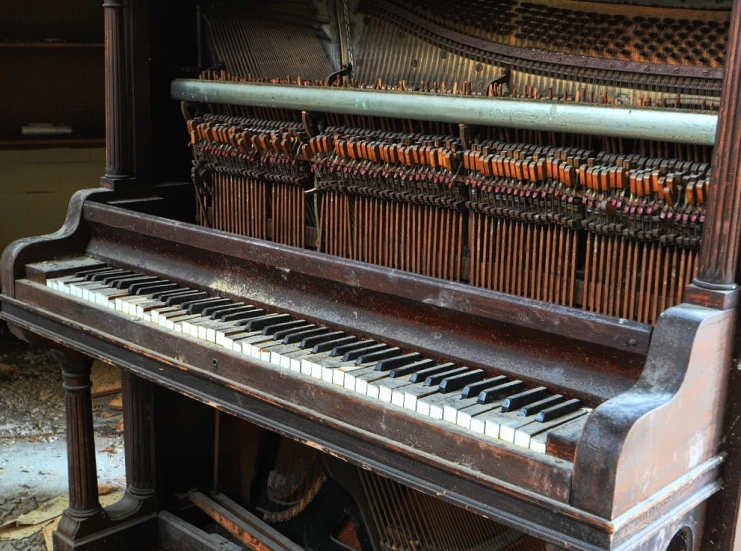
{"x": 215, "y": 362}
{"x": 632, "y": 342}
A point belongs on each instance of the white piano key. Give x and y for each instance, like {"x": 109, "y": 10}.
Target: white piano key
{"x": 277, "y": 355}
{"x": 351, "y": 377}
{"x": 363, "y": 383}
{"x": 164, "y": 310}
{"x": 524, "y": 435}
{"x": 312, "y": 365}
{"x": 464, "y": 417}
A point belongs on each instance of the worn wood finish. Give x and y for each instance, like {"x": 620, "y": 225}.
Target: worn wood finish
{"x": 139, "y": 441}
{"x": 621, "y": 456}
{"x": 719, "y": 256}
{"x": 118, "y": 74}
{"x": 622, "y": 335}
{"x": 366, "y": 300}
{"x": 70, "y": 238}
{"x": 241, "y": 523}
{"x": 426, "y": 441}
{"x": 175, "y": 534}
{"x": 560, "y": 524}
{"x": 724, "y": 509}
{"x": 84, "y": 507}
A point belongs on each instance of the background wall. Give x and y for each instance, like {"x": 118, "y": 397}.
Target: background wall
{"x": 36, "y": 185}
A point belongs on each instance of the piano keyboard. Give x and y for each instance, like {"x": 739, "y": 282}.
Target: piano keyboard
{"x": 494, "y": 407}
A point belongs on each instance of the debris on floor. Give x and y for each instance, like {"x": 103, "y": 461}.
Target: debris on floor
{"x": 33, "y": 447}
{"x": 106, "y": 379}
{"x": 47, "y": 516}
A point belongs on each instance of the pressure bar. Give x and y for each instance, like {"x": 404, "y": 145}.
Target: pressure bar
{"x": 665, "y": 125}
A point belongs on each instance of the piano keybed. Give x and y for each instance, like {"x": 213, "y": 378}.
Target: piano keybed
{"x": 483, "y": 404}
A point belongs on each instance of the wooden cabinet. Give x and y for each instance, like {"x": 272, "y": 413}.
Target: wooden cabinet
{"x": 51, "y": 55}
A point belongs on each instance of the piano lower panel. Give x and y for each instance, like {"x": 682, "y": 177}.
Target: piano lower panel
{"x": 102, "y": 335}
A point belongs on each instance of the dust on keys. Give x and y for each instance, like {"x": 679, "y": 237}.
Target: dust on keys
{"x": 480, "y": 403}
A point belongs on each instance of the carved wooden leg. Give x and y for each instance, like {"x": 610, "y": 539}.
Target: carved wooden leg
{"x": 84, "y": 513}
{"x": 138, "y": 409}
{"x": 85, "y": 525}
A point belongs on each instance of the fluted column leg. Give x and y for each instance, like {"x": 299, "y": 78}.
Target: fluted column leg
{"x": 84, "y": 506}
{"x": 118, "y": 93}
{"x": 138, "y": 407}
{"x": 83, "y": 475}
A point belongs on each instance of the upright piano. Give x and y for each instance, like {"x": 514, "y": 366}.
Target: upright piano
{"x": 406, "y": 275}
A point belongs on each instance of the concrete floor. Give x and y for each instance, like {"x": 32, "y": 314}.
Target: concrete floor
{"x": 33, "y": 452}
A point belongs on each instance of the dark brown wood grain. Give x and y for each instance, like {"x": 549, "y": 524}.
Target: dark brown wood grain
{"x": 241, "y": 524}
{"x": 675, "y": 408}
{"x": 641, "y": 528}
{"x": 175, "y": 534}
{"x": 719, "y": 254}
{"x": 407, "y": 434}
{"x": 118, "y": 93}
{"x": 72, "y": 237}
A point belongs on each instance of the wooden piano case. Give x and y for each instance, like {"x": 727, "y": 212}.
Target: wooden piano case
{"x": 655, "y": 467}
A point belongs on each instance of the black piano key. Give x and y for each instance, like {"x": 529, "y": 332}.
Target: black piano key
{"x": 190, "y": 296}
{"x": 379, "y": 355}
{"x": 134, "y": 289}
{"x": 472, "y": 390}
{"x": 100, "y": 276}
{"x": 558, "y": 410}
{"x": 411, "y": 368}
{"x": 352, "y": 355}
{"x": 125, "y": 283}
{"x": 212, "y": 311}
{"x": 311, "y": 342}
{"x": 112, "y": 278}
{"x": 283, "y": 333}
{"x": 457, "y": 382}
{"x": 257, "y": 324}
{"x": 91, "y": 271}
{"x": 299, "y": 335}
{"x": 345, "y": 348}
{"x": 164, "y": 295}
{"x": 329, "y": 345}
{"x": 200, "y": 304}
{"x": 540, "y": 405}
{"x": 221, "y": 313}
{"x": 242, "y": 317}
{"x": 499, "y": 392}
{"x": 273, "y": 329}
{"x": 524, "y": 398}
{"x": 215, "y": 312}
{"x": 146, "y": 289}
{"x": 434, "y": 380}
{"x": 420, "y": 376}
{"x": 207, "y": 300}
{"x": 399, "y": 361}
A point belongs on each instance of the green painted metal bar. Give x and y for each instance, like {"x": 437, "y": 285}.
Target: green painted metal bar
{"x": 667, "y": 125}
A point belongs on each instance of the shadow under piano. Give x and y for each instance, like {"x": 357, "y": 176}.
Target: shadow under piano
{"x": 404, "y": 275}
